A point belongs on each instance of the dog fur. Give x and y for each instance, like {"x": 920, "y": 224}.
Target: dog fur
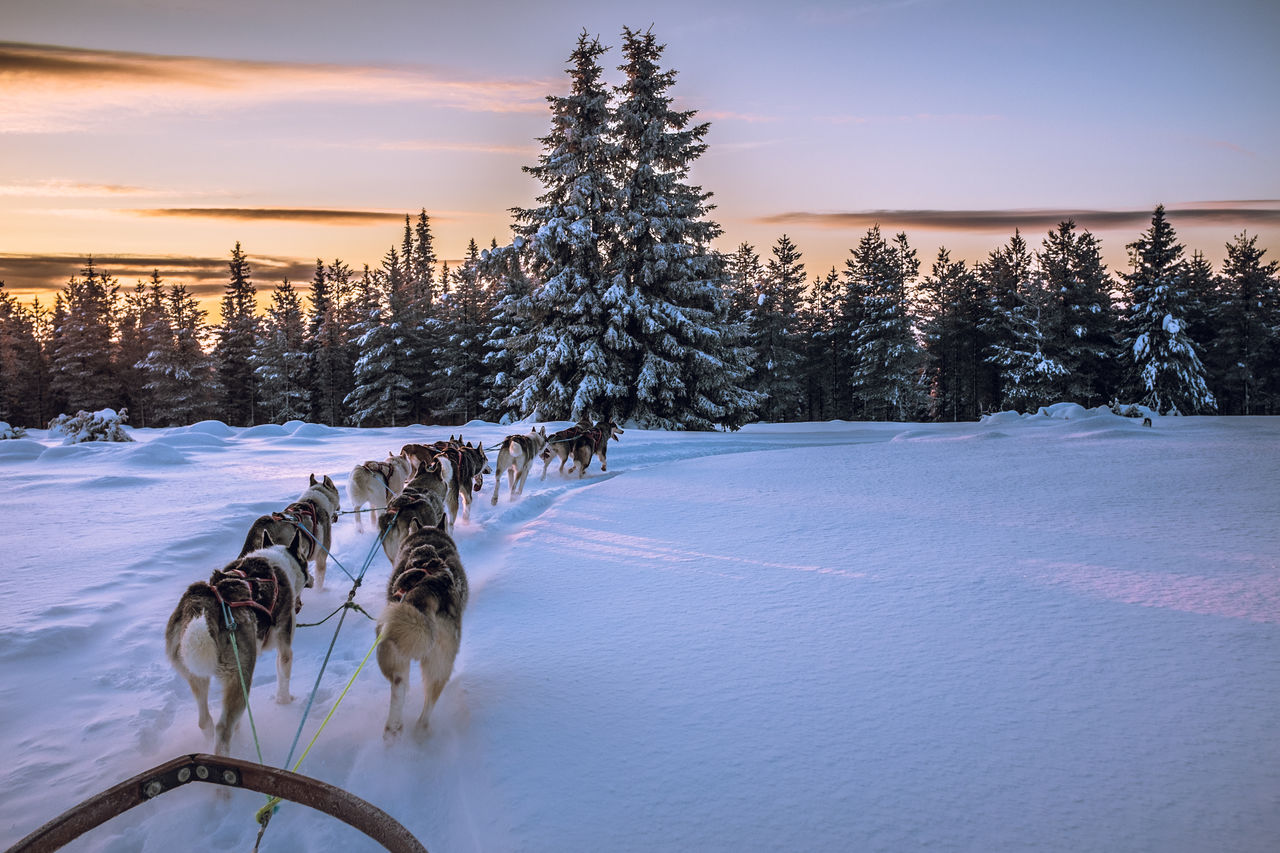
{"x": 314, "y": 512}
{"x": 464, "y": 467}
{"x": 422, "y": 621}
{"x": 261, "y": 590}
{"x": 558, "y": 445}
{"x": 422, "y": 501}
{"x": 426, "y": 452}
{"x": 515, "y": 458}
{"x": 593, "y": 442}
{"x": 375, "y": 484}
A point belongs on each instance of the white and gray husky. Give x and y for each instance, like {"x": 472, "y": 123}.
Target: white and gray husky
{"x": 422, "y": 621}
{"x": 515, "y": 457}
{"x": 258, "y": 595}
{"x": 314, "y": 513}
{"x": 375, "y": 483}
{"x": 422, "y": 501}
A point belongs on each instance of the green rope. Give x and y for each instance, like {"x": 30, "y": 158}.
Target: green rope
{"x": 264, "y": 813}
{"x": 235, "y": 650}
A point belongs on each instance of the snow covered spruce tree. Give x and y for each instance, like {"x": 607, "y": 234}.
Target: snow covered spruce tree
{"x": 237, "y": 336}
{"x": 280, "y": 362}
{"x": 24, "y": 369}
{"x": 330, "y": 354}
{"x": 84, "y": 374}
{"x": 180, "y": 375}
{"x": 775, "y": 333}
{"x": 465, "y": 314}
{"x": 824, "y": 357}
{"x": 1165, "y": 372}
{"x": 678, "y": 358}
{"x": 1248, "y": 319}
{"x": 1080, "y": 321}
{"x": 949, "y": 313}
{"x": 886, "y": 360}
{"x": 573, "y": 339}
{"x": 509, "y": 327}
{"x": 382, "y": 394}
{"x": 1016, "y": 374}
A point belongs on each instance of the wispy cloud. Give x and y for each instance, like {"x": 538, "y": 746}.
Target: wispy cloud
{"x": 911, "y": 118}
{"x": 46, "y": 88}
{"x": 729, "y": 115}
{"x": 58, "y": 188}
{"x": 1007, "y": 220}
{"x": 204, "y": 277}
{"x": 308, "y": 215}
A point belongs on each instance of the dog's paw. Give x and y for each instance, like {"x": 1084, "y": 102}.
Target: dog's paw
{"x": 420, "y": 732}
{"x": 392, "y": 733}
{"x": 283, "y": 698}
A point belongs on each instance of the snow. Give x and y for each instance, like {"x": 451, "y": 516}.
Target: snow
{"x": 1056, "y": 633}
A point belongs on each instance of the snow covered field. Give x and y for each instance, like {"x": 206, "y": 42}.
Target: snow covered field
{"x": 1035, "y": 633}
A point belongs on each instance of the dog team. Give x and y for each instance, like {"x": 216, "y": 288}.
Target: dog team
{"x": 221, "y": 626}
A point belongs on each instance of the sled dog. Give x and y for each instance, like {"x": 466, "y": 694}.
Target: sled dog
{"x": 422, "y": 500}
{"x": 426, "y": 452}
{"x": 375, "y": 484}
{"x": 515, "y": 458}
{"x": 464, "y": 470}
{"x": 314, "y": 513}
{"x": 593, "y": 442}
{"x": 422, "y": 621}
{"x": 558, "y": 444}
{"x": 260, "y": 592}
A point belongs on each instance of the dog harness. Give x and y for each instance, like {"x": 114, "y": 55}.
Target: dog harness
{"x": 237, "y": 577}
{"x": 405, "y": 586}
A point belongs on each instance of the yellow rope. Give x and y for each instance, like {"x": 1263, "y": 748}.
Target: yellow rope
{"x": 264, "y": 813}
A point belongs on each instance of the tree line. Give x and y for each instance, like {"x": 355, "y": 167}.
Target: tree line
{"x": 610, "y": 300}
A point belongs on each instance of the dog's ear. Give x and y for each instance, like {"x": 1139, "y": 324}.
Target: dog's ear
{"x": 414, "y": 526}
{"x": 329, "y": 482}
{"x": 443, "y": 524}
{"x": 266, "y": 540}
{"x": 313, "y": 479}
{"x": 295, "y": 547}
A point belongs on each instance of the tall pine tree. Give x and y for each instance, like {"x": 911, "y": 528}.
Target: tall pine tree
{"x": 673, "y": 349}
{"x": 564, "y": 355}
{"x": 237, "y": 337}
{"x": 1165, "y": 372}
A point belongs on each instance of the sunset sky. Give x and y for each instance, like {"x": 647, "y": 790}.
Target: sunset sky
{"x": 157, "y": 133}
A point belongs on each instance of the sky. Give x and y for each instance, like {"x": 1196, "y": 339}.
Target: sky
{"x": 158, "y": 133}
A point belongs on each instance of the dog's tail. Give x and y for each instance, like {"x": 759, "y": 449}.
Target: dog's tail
{"x": 406, "y": 635}
{"x": 512, "y": 447}
{"x": 189, "y": 641}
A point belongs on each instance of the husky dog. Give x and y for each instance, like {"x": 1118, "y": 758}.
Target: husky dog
{"x": 260, "y": 592}
{"x": 593, "y": 442}
{"x": 422, "y": 621}
{"x": 464, "y": 468}
{"x": 515, "y": 457}
{"x": 422, "y": 500}
{"x": 314, "y": 513}
{"x": 375, "y": 484}
{"x": 426, "y": 452}
{"x": 558, "y": 444}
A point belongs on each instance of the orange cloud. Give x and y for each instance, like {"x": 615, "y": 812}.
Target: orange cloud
{"x": 47, "y": 88}
{"x": 1031, "y": 220}
{"x": 278, "y": 214}
{"x": 41, "y": 275}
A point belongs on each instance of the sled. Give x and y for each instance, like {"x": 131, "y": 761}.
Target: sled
{"x": 228, "y": 772}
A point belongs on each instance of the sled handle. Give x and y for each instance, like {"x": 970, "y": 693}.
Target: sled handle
{"x": 230, "y": 772}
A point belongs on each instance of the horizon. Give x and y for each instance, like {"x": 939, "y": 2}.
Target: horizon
{"x": 312, "y": 137}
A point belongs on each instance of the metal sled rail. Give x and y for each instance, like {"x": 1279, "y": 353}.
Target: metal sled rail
{"x": 230, "y": 772}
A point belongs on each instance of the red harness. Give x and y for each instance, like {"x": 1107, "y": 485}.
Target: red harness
{"x": 238, "y": 577}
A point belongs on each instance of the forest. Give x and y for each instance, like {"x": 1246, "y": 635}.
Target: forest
{"x": 610, "y": 300}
